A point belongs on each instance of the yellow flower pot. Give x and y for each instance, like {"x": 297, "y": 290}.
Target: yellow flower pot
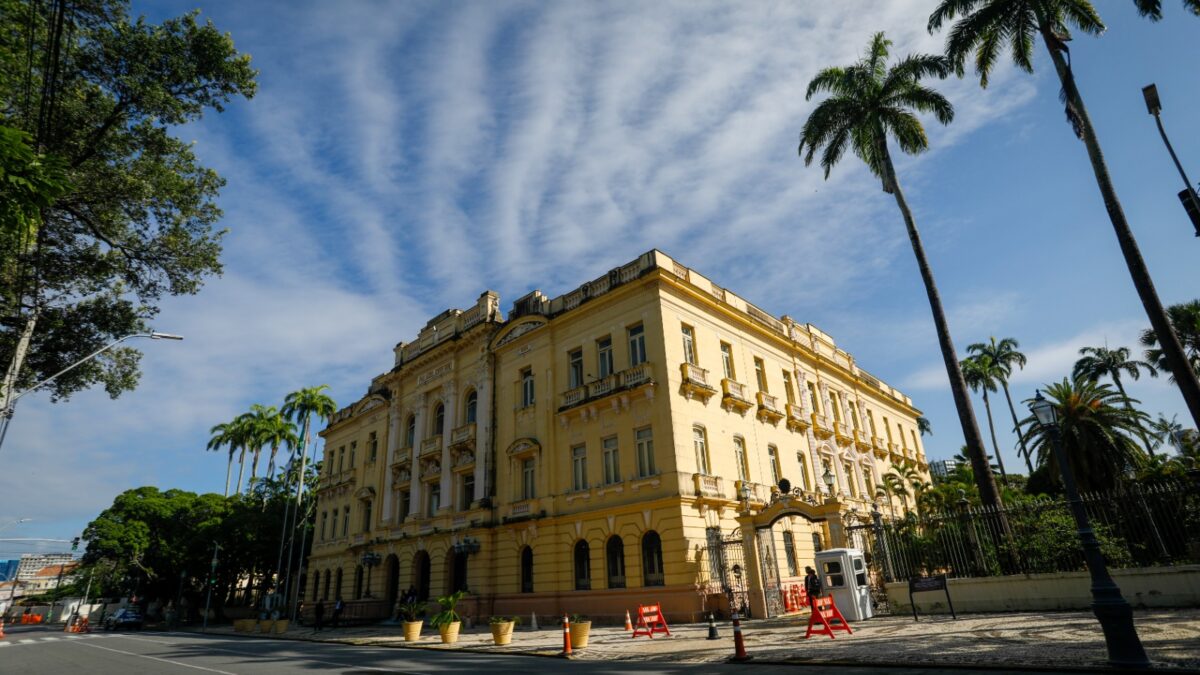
{"x": 579, "y": 634}
{"x": 412, "y": 630}
{"x": 449, "y": 632}
{"x": 502, "y": 632}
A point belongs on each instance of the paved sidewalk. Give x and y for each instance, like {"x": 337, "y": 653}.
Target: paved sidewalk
{"x": 1069, "y": 640}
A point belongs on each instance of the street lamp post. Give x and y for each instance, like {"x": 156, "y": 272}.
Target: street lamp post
{"x": 369, "y": 560}
{"x": 1110, "y": 607}
{"x": 828, "y": 479}
{"x": 1191, "y": 202}
{"x": 10, "y": 405}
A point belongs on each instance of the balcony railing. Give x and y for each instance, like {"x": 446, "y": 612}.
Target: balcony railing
{"x": 796, "y": 417}
{"x": 574, "y": 397}
{"x": 694, "y": 374}
{"x": 821, "y": 426}
{"x": 602, "y": 387}
{"x": 708, "y": 486}
{"x": 431, "y": 445}
{"x": 733, "y": 388}
{"x": 463, "y": 436}
{"x": 629, "y": 378}
{"x": 636, "y": 375}
{"x": 768, "y": 407}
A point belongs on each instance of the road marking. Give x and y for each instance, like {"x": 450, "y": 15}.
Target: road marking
{"x": 28, "y": 641}
{"x": 142, "y": 639}
{"x": 155, "y": 658}
{"x": 312, "y": 660}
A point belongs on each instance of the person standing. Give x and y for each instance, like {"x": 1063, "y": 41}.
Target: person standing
{"x": 339, "y": 606}
{"x": 812, "y": 585}
{"x": 319, "y": 615}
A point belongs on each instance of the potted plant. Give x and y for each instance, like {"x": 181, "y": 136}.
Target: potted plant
{"x": 502, "y": 628}
{"x": 411, "y": 612}
{"x": 448, "y": 620}
{"x": 581, "y": 628}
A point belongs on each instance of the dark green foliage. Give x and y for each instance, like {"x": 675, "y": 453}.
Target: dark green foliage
{"x": 1153, "y": 8}
{"x": 1185, "y": 320}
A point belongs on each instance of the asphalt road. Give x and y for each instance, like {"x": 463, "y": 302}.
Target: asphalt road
{"x": 37, "y": 649}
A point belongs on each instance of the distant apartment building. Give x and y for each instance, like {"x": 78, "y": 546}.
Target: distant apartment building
{"x": 943, "y": 467}
{"x": 31, "y": 564}
{"x": 624, "y": 442}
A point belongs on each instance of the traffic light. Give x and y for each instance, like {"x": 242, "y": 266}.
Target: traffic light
{"x": 1192, "y": 209}
{"x": 75, "y": 544}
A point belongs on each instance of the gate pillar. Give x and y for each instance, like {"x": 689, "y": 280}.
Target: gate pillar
{"x": 837, "y": 526}
{"x": 754, "y": 579}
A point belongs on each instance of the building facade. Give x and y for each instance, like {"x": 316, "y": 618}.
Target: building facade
{"x": 649, "y": 436}
{"x": 31, "y": 564}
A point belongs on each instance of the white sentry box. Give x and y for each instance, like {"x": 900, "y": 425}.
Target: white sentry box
{"x": 844, "y": 575}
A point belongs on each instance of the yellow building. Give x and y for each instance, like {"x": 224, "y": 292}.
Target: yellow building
{"x": 622, "y": 443}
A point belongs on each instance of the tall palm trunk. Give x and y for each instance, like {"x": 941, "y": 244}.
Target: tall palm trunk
{"x": 295, "y": 515}
{"x": 1168, "y": 340}
{"x": 962, "y": 402}
{"x": 271, "y": 463}
{"x": 995, "y": 446}
{"x": 1017, "y": 426}
{"x": 228, "y": 471}
{"x": 241, "y": 467}
{"x": 254, "y": 466}
{"x": 1129, "y": 406}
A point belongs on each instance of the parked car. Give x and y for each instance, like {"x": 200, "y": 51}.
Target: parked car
{"x": 128, "y": 618}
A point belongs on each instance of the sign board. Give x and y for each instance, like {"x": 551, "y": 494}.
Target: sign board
{"x": 650, "y": 621}
{"x": 925, "y": 584}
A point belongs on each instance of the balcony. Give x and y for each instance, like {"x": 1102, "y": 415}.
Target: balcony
{"x": 733, "y": 396}
{"x": 401, "y": 475}
{"x": 463, "y": 437}
{"x": 709, "y": 486}
{"x": 821, "y": 426}
{"x": 695, "y": 381}
{"x": 637, "y": 375}
{"x": 768, "y": 408}
{"x": 431, "y": 446}
{"x": 842, "y": 431}
{"x": 602, "y": 387}
{"x": 574, "y": 397}
{"x": 894, "y": 448}
{"x": 797, "y": 420}
{"x": 630, "y": 378}
{"x": 861, "y": 440}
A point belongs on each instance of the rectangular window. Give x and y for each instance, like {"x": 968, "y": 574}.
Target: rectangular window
{"x": 700, "y": 442}
{"x": 324, "y": 523}
{"x": 853, "y": 484}
{"x": 346, "y": 522}
{"x": 787, "y": 388}
{"x": 773, "y": 458}
{"x": 637, "y": 345}
{"x": 466, "y": 491}
{"x": 887, "y": 428}
{"x": 836, "y": 402}
{"x": 803, "y": 462}
{"x": 434, "y": 501}
{"x": 526, "y": 387}
{"x": 739, "y": 458}
{"x": 789, "y": 549}
{"x": 645, "y": 452}
{"x": 527, "y": 479}
{"x": 366, "y": 524}
{"x": 760, "y": 375}
{"x": 353, "y": 452}
{"x": 402, "y": 506}
{"x": 854, "y": 416}
{"x": 612, "y": 461}
{"x": 689, "y": 344}
{"x": 727, "y": 360}
{"x": 575, "y": 368}
{"x": 604, "y": 355}
{"x": 871, "y": 421}
{"x": 900, "y": 430}
{"x": 579, "y": 467}
{"x": 812, "y": 396}
{"x": 372, "y": 446}
{"x": 914, "y": 438}
{"x": 341, "y": 458}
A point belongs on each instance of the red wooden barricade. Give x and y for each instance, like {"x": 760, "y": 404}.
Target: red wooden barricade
{"x": 826, "y": 614}
{"x": 650, "y": 621}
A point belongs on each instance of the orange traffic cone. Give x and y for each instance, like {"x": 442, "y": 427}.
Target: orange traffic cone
{"x": 1, "y": 628}
{"x": 566, "y": 637}
{"x": 739, "y": 644}
{"x": 628, "y": 623}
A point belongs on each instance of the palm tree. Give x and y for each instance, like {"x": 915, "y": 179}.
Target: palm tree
{"x": 236, "y": 434}
{"x": 981, "y": 373}
{"x": 1185, "y": 319}
{"x": 1098, "y": 362}
{"x": 987, "y": 26}
{"x": 1167, "y": 431}
{"x": 1005, "y": 355}
{"x": 869, "y": 101}
{"x": 1095, "y": 432}
{"x": 923, "y": 426}
{"x": 1153, "y": 8}
{"x": 222, "y": 437}
{"x": 274, "y": 430}
{"x": 259, "y": 423}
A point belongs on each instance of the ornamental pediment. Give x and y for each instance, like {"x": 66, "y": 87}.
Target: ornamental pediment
{"x": 367, "y": 492}
{"x": 524, "y": 447}
{"x": 517, "y": 331}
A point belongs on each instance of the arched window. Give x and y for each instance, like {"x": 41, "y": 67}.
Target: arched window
{"x": 472, "y": 403}
{"x": 583, "y": 566}
{"x": 527, "y": 570}
{"x": 410, "y": 431}
{"x": 652, "y": 560}
{"x": 439, "y": 419}
{"x": 614, "y": 554}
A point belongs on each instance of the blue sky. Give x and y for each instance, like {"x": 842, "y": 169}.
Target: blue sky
{"x": 400, "y": 158}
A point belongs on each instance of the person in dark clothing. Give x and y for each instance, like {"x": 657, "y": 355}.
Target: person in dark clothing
{"x": 339, "y": 606}
{"x": 319, "y": 615}
{"x": 812, "y": 585}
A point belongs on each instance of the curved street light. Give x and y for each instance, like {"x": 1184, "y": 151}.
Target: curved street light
{"x": 10, "y": 405}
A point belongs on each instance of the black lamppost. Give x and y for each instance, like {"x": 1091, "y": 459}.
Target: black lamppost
{"x": 369, "y": 560}
{"x": 1114, "y": 613}
{"x": 1191, "y": 202}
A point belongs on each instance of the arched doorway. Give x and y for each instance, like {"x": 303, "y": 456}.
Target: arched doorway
{"x": 391, "y": 582}
{"x": 421, "y": 575}
{"x": 456, "y": 565}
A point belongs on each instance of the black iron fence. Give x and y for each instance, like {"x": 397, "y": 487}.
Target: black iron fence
{"x": 1139, "y": 525}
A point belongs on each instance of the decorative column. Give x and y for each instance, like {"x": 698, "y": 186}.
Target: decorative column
{"x": 826, "y": 404}
{"x": 483, "y": 431}
{"x": 393, "y": 446}
{"x": 753, "y": 569}
{"x": 415, "y": 507}
{"x": 448, "y": 422}
{"x": 864, "y": 422}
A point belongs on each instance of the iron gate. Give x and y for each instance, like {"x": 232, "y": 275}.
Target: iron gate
{"x": 869, "y": 538}
{"x": 770, "y": 572}
{"x": 727, "y": 562}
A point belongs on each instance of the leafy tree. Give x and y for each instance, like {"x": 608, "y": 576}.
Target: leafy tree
{"x": 1185, "y": 320}
{"x": 869, "y": 101}
{"x": 1004, "y": 353}
{"x": 981, "y": 374}
{"x": 1098, "y": 362}
{"x": 136, "y": 221}
{"x": 983, "y": 29}
{"x": 1153, "y": 8}
{"x": 1095, "y": 431}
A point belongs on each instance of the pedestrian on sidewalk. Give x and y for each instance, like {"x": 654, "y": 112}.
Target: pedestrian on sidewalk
{"x": 319, "y": 615}
{"x": 812, "y": 585}
{"x": 339, "y": 606}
